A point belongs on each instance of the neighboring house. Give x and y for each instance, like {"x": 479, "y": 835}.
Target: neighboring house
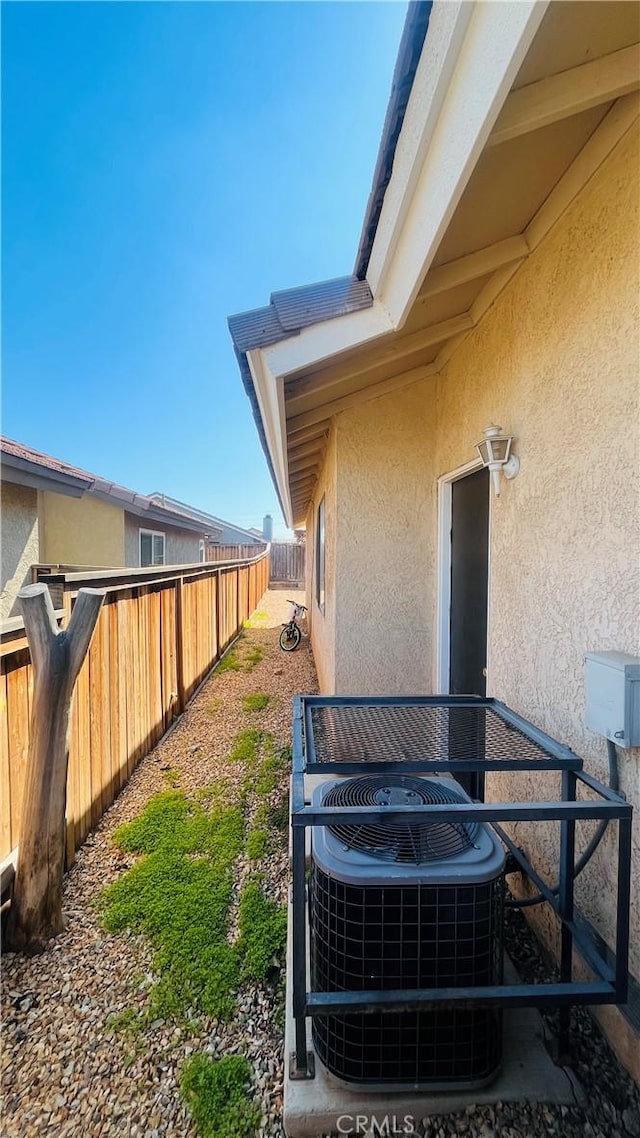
{"x": 55, "y": 514}
{"x": 497, "y": 281}
{"x": 225, "y": 533}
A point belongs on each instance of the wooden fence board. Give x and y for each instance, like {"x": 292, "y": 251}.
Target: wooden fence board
{"x": 83, "y": 755}
{"x": 95, "y": 723}
{"x": 155, "y": 667}
{"x": 72, "y": 811}
{"x": 168, "y": 646}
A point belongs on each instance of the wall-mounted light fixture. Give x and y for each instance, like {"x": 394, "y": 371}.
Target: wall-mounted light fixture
{"x": 495, "y": 452}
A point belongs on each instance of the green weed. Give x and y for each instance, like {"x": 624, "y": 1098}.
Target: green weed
{"x": 279, "y": 817}
{"x": 257, "y": 844}
{"x": 229, "y": 663}
{"x": 270, "y": 769}
{"x": 215, "y": 1091}
{"x": 172, "y": 776}
{"x": 128, "y": 1022}
{"x": 255, "y": 701}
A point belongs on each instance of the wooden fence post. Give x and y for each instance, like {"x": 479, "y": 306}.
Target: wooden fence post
{"x": 36, "y": 908}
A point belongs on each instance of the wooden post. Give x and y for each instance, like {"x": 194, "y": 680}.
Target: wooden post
{"x": 36, "y": 908}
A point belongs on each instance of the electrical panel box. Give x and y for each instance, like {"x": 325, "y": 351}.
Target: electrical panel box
{"x": 612, "y": 682}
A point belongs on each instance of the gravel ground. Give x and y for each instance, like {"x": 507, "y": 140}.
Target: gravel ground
{"x": 64, "y": 1073}
{"x": 612, "y": 1107}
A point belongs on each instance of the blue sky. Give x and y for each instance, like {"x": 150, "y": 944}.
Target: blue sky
{"x": 165, "y": 165}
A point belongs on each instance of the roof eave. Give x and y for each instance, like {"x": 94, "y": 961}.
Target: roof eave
{"x": 411, "y": 44}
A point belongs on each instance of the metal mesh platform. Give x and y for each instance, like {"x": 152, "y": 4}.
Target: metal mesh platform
{"x": 383, "y": 732}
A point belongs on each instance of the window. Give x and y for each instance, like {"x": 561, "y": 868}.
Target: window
{"x": 320, "y": 534}
{"x": 202, "y": 549}
{"x": 151, "y": 548}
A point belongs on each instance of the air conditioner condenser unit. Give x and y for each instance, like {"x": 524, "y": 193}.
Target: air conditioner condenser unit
{"x": 406, "y": 906}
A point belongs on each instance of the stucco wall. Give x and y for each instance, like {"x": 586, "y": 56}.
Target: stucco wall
{"x": 20, "y": 543}
{"x": 181, "y": 546}
{"x": 385, "y": 545}
{"x": 555, "y": 361}
{"x": 80, "y": 531}
{"x": 323, "y": 625}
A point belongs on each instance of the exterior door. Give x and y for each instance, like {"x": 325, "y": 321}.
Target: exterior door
{"x": 469, "y": 584}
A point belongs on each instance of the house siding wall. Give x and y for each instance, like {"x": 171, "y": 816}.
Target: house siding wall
{"x": 181, "y": 546}
{"x": 555, "y": 361}
{"x": 20, "y": 543}
{"x": 80, "y": 531}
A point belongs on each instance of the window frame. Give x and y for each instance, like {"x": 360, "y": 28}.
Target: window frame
{"x": 152, "y": 533}
{"x": 321, "y": 554}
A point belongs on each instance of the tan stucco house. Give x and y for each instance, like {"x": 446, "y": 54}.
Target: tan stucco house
{"x": 55, "y": 514}
{"x": 497, "y": 283}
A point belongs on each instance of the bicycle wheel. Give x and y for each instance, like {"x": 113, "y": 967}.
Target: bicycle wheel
{"x": 290, "y": 637}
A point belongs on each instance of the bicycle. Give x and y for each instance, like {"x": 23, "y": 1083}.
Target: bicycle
{"x": 291, "y": 634}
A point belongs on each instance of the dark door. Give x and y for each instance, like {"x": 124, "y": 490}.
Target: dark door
{"x": 468, "y": 620}
{"x": 469, "y": 584}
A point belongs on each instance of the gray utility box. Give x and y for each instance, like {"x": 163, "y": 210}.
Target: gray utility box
{"x": 612, "y": 683}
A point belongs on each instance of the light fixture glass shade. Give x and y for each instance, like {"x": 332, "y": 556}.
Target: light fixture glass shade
{"x": 495, "y": 451}
{"x": 494, "y": 447}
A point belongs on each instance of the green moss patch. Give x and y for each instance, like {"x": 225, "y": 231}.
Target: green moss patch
{"x": 255, "y": 701}
{"x": 253, "y": 657}
{"x": 216, "y": 1092}
{"x": 264, "y": 762}
{"x": 180, "y": 895}
{"x": 246, "y": 747}
{"x": 240, "y": 658}
{"x": 263, "y": 933}
{"x": 229, "y": 663}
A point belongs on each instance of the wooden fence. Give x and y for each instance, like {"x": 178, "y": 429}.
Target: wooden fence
{"x": 231, "y": 552}
{"x": 287, "y": 562}
{"x": 159, "y": 633}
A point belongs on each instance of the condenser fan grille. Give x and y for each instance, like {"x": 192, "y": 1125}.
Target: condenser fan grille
{"x": 415, "y": 843}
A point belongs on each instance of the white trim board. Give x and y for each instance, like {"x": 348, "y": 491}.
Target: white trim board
{"x": 443, "y": 598}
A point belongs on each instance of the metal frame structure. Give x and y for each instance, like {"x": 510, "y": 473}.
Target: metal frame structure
{"x": 611, "y": 980}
